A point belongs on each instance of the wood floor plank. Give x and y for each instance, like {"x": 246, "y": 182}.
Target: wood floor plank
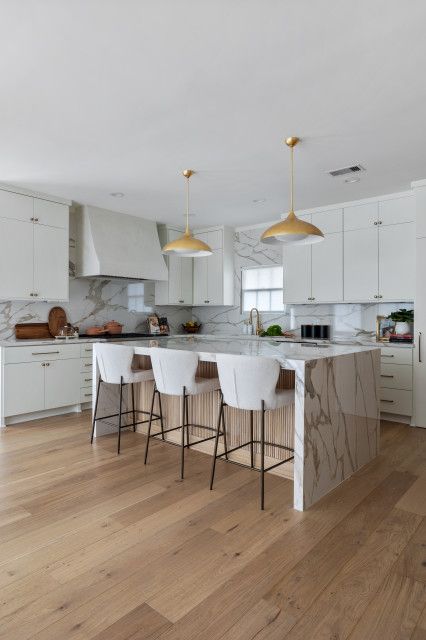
{"x": 394, "y": 612}
{"x": 414, "y": 500}
{"x": 99, "y": 546}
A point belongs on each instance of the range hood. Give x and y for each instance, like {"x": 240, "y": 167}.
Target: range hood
{"x": 116, "y": 245}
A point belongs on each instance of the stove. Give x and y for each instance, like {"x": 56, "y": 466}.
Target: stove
{"x": 122, "y": 336}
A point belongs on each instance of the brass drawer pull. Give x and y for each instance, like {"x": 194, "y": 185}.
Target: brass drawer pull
{"x": 388, "y": 401}
{"x": 386, "y": 355}
{"x": 89, "y": 364}
{"x": 43, "y": 353}
{"x": 383, "y": 375}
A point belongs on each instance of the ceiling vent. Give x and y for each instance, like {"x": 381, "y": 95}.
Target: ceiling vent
{"x": 356, "y": 168}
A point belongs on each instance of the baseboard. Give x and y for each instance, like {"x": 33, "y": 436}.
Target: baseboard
{"x": 38, "y": 415}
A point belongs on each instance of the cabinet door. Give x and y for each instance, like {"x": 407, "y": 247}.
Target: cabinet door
{"x": 16, "y": 259}
{"x": 297, "y": 274}
{"x": 23, "y": 388}
{"x": 51, "y": 214}
{"x": 62, "y": 383}
{"x": 361, "y": 265}
{"x": 186, "y": 280}
{"x": 360, "y": 216}
{"x": 215, "y": 278}
{"x": 175, "y": 279}
{"x": 397, "y": 256}
{"x": 200, "y": 280}
{"x": 419, "y": 355}
{"x": 50, "y": 263}
{"x": 16, "y": 206}
{"x": 397, "y": 210}
{"x": 327, "y": 269}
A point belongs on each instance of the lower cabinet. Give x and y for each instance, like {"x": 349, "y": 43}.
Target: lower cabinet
{"x": 396, "y": 381}
{"x": 44, "y": 378}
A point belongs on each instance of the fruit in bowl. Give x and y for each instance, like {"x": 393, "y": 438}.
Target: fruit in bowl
{"x": 191, "y": 327}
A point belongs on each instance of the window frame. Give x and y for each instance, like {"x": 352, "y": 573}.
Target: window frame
{"x": 242, "y": 291}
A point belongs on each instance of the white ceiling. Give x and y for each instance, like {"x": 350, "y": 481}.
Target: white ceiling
{"x": 100, "y": 96}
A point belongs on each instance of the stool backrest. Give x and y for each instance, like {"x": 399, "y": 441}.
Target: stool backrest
{"x": 114, "y": 361}
{"x": 173, "y": 370}
{"x": 247, "y": 380}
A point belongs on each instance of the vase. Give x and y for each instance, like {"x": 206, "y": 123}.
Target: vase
{"x": 401, "y": 328}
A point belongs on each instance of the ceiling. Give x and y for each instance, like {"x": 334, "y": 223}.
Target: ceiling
{"x": 102, "y": 96}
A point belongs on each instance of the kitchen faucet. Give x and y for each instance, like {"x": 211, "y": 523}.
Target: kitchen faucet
{"x": 258, "y": 325}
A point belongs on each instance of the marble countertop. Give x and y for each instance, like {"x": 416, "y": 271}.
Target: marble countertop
{"x": 285, "y": 352}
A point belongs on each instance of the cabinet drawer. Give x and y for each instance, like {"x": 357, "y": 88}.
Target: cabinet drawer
{"x": 41, "y": 353}
{"x": 86, "y": 365}
{"x": 85, "y": 395}
{"x": 396, "y": 401}
{"x": 396, "y": 355}
{"x": 396, "y": 376}
{"x": 86, "y": 350}
{"x": 86, "y": 378}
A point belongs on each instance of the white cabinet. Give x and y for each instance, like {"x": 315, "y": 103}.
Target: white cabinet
{"x": 396, "y": 381}
{"x": 61, "y": 383}
{"x": 397, "y": 262}
{"x": 45, "y": 377}
{"x": 213, "y": 276}
{"x": 361, "y": 260}
{"x": 178, "y": 288}
{"x": 16, "y": 259}
{"x": 23, "y": 388}
{"x": 314, "y": 273}
{"x": 420, "y": 334}
{"x": 360, "y": 216}
{"x": 34, "y": 248}
{"x": 397, "y": 210}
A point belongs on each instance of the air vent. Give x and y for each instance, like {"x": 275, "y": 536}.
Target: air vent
{"x": 346, "y": 170}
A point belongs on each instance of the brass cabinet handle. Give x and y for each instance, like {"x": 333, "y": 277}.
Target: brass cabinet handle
{"x": 88, "y": 379}
{"x": 383, "y": 375}
{"x": 206, "y": 301}
{"x": 420, "y": 346}
{"x": 87, "y": 394}
{"x": 89, "y": 364}
{"x": 43, "y": 353}
{"x": 387, "y": 355}
{"x": 388, "y": 401}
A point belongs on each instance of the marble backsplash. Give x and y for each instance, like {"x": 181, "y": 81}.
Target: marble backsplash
{"x": 345, "y": 319}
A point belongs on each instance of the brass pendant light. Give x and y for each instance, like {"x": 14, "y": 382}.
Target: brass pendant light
{"x": 187, "y": 246}
{"x": 292, "y": 230}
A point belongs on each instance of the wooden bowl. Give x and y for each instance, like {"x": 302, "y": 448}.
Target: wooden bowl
{"x": 194, "y": 329}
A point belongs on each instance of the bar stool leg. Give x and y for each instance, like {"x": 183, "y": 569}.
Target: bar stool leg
{"x": 225, "y": 445}
{"x": 216, "y": 442}
{"x": 119, "y": 415}
{"x": 148, "y": 435}
{"x": 251, "y": 440}
{"x": 187, "y": 420}
{"x": 161, "y": 415}
{"x": 133, "y": 408}
{"x": 262, "y": 457}
{"x": 96, "y": 410}
{"x": 182, "y": 454}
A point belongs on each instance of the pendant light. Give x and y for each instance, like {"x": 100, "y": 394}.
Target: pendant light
{"x": 292, "y": 230}
{"x": 187, "y": 246}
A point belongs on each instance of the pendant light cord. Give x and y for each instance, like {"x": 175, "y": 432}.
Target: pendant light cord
{"x": 187, "y": 207}
{"x": 291, "y": 178}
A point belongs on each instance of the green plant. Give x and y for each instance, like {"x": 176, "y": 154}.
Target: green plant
{"x": 402, "y": 315}
{"x": 273, "y": 330}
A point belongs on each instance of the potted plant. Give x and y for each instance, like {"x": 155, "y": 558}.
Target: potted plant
{"x": 403, "y": 319}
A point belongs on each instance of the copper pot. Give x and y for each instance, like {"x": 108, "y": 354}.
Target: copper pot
{"x": 113, "y": 327}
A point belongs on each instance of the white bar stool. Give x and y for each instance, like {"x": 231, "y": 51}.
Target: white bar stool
{"x": 175, "y": 374}
{"x": 115, "y": 367}
{"x": 249, "y": 383}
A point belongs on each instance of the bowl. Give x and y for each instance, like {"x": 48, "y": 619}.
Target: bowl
{"x": 191, "y": 329}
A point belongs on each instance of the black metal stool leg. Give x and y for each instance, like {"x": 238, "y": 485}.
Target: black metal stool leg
{"x": 119, "y": 415}
{"x": 148, "y": 435}
{"x": 187, "y": 420}
{"x": 133, "y": 407}
{"x": 95, "y": 412}
{"x": 262, "y": 457}
{"x": 182, "y": 458}
{"x": 251, "y": 440}
{"x": 216, "y": 442}
{"x": 161, "y": 415}
{"x": 225, "y": 445}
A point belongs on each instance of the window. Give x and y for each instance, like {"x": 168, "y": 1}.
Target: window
{"x": 140, "y": 297}
{"x": 262, "y": 287}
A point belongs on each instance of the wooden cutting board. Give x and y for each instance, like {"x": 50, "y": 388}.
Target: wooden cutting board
{"x": 32, "y": 331}
{"x": 57, "y": 319}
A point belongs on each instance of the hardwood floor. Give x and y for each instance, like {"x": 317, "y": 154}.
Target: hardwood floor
{"x": 95, "y": 546}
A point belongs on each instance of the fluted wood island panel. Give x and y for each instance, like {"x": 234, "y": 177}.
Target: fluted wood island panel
{"x": 333, "y": 425}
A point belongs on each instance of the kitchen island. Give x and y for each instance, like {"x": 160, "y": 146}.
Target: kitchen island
{"x": 334, "y": 425}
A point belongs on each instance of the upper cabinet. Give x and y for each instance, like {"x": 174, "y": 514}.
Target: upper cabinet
{"x": 178, "y": 288}
{"x": 314, "y": 273}
{"x": 379, "y": 251}
{"x": 34, "y": 248}
{"x": 214, "y": 275}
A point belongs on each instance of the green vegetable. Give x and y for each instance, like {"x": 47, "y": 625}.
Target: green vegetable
{"x": 274, "y": 330}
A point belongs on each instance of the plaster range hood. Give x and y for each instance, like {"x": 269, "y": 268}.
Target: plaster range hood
{"x": 117, "y": 245}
